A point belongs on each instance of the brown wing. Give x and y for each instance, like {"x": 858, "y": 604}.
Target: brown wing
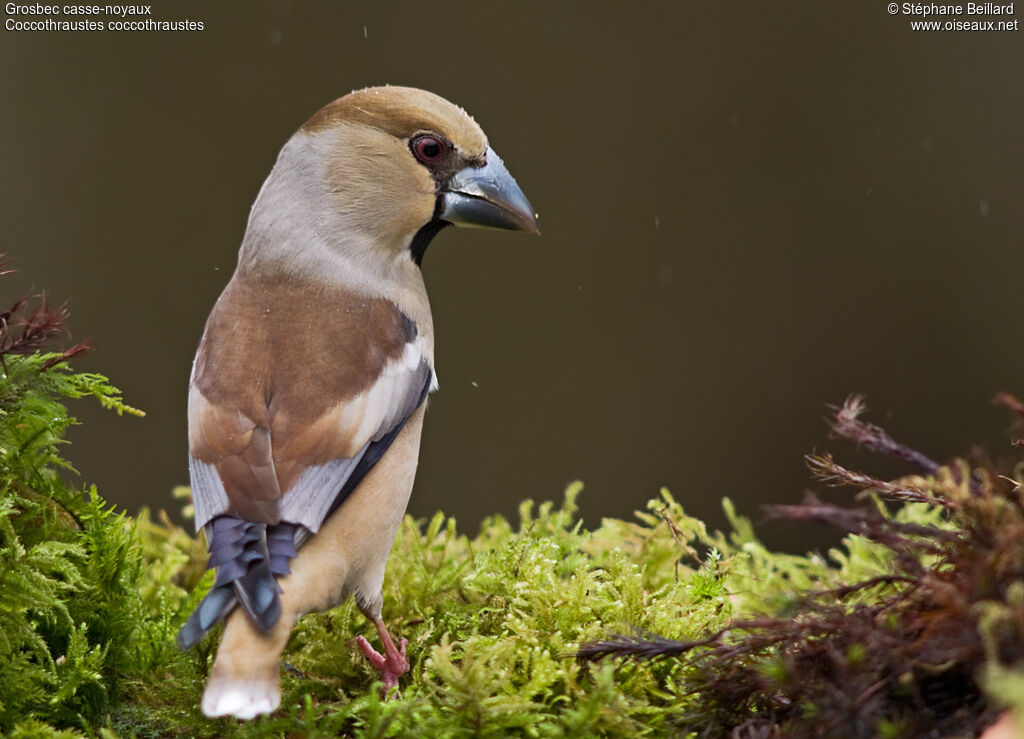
{"x": 291, "y": 385}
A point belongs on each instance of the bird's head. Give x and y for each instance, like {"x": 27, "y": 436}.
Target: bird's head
{"x": 388, "y": 167}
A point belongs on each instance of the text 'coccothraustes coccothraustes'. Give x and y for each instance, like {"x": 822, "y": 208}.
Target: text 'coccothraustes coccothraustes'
{"x": 307, "y": 395}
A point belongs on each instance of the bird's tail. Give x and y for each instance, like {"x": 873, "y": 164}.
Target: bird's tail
{"x": 248, "y": 557}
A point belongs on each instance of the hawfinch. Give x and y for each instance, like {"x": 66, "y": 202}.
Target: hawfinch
{"x": 308, "y": 390}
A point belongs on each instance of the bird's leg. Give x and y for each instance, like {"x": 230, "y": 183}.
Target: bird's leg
{"x": 392, "y": 664}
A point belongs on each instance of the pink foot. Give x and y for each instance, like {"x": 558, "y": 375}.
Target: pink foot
{"x": 392, "y": 664}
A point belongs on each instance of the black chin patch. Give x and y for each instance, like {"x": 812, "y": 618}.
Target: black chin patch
{"x": 423, "y": 237}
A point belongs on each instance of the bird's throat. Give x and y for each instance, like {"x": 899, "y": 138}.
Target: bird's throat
{"x": 422, "y": 239}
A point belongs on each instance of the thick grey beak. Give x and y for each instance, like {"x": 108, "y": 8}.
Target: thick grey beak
{"x": 488, "y": 197}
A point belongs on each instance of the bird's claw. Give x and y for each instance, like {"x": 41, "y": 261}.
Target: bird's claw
{"x": 391, "y": 665}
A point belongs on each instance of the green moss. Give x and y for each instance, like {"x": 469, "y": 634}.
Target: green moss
{"x": 90, "y": 600}
{"x": 70, "y": 608}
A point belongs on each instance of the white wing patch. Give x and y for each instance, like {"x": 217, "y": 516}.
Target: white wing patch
{"x": 318, "y": 457}
{"x": 365, "y": 419}
{"x": 313, "y": 494}
{"x": 208, "y": 494}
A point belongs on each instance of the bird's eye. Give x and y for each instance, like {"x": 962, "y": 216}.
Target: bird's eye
{"x": 428, "y": 149}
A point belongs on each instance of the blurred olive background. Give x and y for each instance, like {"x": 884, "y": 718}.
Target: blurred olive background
{"x": 748, "y": 212}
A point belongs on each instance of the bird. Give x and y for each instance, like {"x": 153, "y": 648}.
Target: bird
{"x": 309, "y": 386}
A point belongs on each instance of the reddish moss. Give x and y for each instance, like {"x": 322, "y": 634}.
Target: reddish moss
{"x": 907, "y": 656}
